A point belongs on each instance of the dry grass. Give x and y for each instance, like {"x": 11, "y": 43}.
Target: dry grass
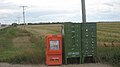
{"x": 108, "y": 32}
{"x": 44, "y": 29}
{"x": 21, "y": 42}
{"x": 108, "y": 38}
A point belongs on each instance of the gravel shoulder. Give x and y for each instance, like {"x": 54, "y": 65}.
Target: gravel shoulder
{"x": 74, "y": 65}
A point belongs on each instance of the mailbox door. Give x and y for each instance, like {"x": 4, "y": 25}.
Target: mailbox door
{"x": 54, "y": 49}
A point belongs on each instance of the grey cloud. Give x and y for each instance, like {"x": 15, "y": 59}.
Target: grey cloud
{"x": 113, "y": 3}
{"x": 109, "y": 4}
{"x": 8, "y": 6}
{"x": 111, "y": 16}
{"x": 51, "y": 15}
{"x": 47, "y": 12}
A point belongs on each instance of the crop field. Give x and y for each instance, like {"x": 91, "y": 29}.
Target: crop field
{"x": 108, "y": 33}
{"x": 108, "y": 38}
{"x": 27, "y": 46}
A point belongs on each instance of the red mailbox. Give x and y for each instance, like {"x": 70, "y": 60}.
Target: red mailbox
{"x": 53, "y": 49}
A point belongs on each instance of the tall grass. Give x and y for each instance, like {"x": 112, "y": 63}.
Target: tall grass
{"x": 39, "y": 46}
{"x": 33, "y": 53}
{"x": 109, "y": 55}
{"x": 6, "y": 37}
{"x": 108, "y": 37}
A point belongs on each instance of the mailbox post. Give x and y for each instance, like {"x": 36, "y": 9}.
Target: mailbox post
{"x": 53, "y": 49}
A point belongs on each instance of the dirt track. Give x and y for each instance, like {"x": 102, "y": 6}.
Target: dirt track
{"x": 79, "y": 65}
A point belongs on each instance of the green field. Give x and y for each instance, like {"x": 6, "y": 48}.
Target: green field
{"x": 18, "y": 45}
{"x": 108, "y": 38}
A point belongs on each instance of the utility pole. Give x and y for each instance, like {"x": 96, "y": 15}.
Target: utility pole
{"x": 24, "y": 15}
{"x": 83, "y": 11}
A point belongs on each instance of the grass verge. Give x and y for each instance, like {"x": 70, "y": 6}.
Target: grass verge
{"x": 20, "y": 46}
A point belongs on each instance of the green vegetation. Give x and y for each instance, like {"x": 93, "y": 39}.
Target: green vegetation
{"x": 109, "y": 43}
{"x": 25, "y": 46}
{"x": 28, "y": 46}
{"x": 39, "y": 33}
{"x": 109, "y": 55}
{"x": 17, "y": 46}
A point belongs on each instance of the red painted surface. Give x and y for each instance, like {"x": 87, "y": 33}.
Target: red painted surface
{"x": 53, "y": 49}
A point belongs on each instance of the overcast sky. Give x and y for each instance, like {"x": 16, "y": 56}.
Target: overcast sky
{"x": 59, "y": 10}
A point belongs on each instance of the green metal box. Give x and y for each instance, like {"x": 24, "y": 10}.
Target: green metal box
{"x": 79, "y": 42}
{"x": 72, "y": 42}
{"x": 89, "y": 43}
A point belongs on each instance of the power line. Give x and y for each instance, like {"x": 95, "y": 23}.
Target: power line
{"x": 24, "y": 15}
